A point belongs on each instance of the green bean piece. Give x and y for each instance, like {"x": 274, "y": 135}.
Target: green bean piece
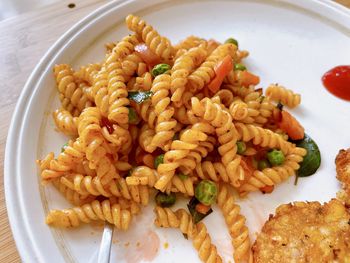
{"x": 262, "y": 164}
{"x": 64, "y": 146}
{"x": 241, "y": 147}
{"x": 165, "y": 200}
{"x": 133, "y": 117}
{"x": 240, "y": 67}
{"x": 158, "y": 160}
{"x": 275, "y": 157}
{"x": 160, "y": 69}
{"x": 232, "y": 41}
{"x": 206, "y": 192}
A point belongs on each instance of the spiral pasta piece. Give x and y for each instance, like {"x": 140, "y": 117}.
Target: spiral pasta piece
{"x": 103, "y": 211}
{"x": 286, "y": 96}
{"x": 202, "y": 75}
{"x": 137, "y": 193}
{"x": 201, "y": 240}
{"x": 71, "y": 195}
{"x": 235, "y": 223}
{"x": 109, "y": 89}
{"x": 238, "y": 110}
{"x": 119, "y": 139}
{"x": 157, "y": 44}
{"x": 188, "y": 164}
{"x": 124, "y": 47}
{"x": 143, "y": 175}
{"x": 214, "y": 171}
{"x": 144, "y": 82}
{"x": 99, "y": 186}
{"x": 109, "y": 46}
{"x": 263, "y": 137}
{"x": 97, "y": 150}
{"x": 226, "y": 97}
{"x": 90, "y": 133}
{"x": 274, "y": 175}
{"x": 85, "y": 185}
{"x": 65, "y": 122}
{"x": 72, "y": 96}
{"x": 117, "y": 94}
{"x": 183, "y": 66}
{"x": 66, "y": 87}
{"x": 87, "y": 74}
{"x": 66, "y": 161}
{"x": 212, "y": 111}
{"x": 118, "y": 74}
{"x": 83, "y": 168}
{"x": 180, "y": 154}
{"x": 189, "y": 42}
{"x": 165, "y": 127}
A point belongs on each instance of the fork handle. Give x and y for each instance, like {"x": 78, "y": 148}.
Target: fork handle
{"x": 104, "y": 253}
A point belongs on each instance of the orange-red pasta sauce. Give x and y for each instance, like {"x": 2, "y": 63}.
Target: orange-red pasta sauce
{"x": 337, "y": 81}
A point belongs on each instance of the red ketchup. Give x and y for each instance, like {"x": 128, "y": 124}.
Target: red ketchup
{"x": 337, "y": 81}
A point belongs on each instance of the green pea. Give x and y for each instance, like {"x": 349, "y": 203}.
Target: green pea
{"x": 133, "y": 117}
{"x": 241, "y": 147}
{"x": 160, "y": 69}
{"x": 63, "y": 148}
{"x": 165, "y": 200}
{"x": 206, "y": 192}
{"x": 158, "y": 160}
{"x": 182, "y": 176}
{"x": 240, "y": 67}
{"x": 275, "y": 157}
{"x": 262, "y": 164}
{"x": 232, "y": 41}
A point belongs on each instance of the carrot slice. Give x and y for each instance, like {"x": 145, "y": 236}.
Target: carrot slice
{"x": 247, "y": 165}
{"x": 291, "y": 126}
{"x": 246, "y": 78}
{"x": 221, "y": 70}
{"x": 147, "y": 55}
{"x": 267, "y": 189}
{"x": 203, "y": 209}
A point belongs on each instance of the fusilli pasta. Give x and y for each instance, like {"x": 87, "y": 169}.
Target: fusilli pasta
{"x": 150, "y": 116}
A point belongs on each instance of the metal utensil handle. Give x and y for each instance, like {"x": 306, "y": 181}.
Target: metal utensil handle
{"x": 106, "y": 242}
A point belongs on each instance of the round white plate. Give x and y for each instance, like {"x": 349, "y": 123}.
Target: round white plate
{"x": 290, "y": 42}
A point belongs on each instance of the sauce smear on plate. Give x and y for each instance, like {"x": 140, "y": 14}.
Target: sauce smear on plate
{"x": 337, "y": 81}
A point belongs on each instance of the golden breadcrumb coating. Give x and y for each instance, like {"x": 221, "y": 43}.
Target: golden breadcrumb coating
{"x": 342, "y": 162}
{"x": 305, "y": 232}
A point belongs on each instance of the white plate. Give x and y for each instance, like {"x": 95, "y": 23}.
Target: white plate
{"x": 290, "y": 42}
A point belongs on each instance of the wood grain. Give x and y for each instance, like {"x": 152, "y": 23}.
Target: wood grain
{"x": 24, "y": 39}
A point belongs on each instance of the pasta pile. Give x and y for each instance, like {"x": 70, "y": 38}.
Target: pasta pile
{"x": 156, "y": 116}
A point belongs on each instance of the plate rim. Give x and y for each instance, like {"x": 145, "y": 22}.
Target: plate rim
{"x": 19, "y": 231}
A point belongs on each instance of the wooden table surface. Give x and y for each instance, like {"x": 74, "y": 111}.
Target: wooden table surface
{"x": 23, "y": 41}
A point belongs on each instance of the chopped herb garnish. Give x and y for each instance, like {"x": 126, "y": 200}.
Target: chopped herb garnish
{"x": 63, "y": 148}
{"x": 133, "y": 117}
{"x": 195, "y": 214}
{"x": 182, "y": 176}
{"x": 139, "y": 96}
{"x": 312, "y": 160}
